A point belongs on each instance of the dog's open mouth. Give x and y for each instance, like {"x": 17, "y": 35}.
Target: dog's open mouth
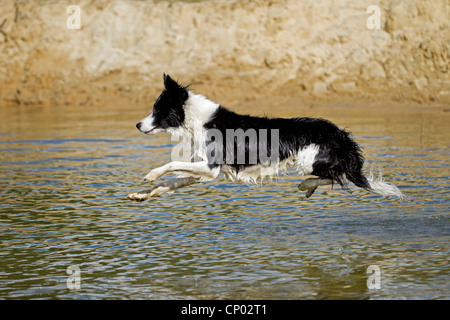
{"x": 152, "y": 131}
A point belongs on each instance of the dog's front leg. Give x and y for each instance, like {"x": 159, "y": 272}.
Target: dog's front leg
{"x": 200, "y": 170}
{"x": 155, "y": 174}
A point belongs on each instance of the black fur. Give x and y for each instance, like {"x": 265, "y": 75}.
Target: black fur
{"x": 339, "y": 155}
{"x": 168, "y": 108}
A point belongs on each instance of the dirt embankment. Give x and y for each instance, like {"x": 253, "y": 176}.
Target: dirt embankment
{"x": 230, "y": 50}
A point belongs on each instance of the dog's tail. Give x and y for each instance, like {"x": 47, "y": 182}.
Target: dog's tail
{"x": 351, "y": 161}
{"x": 377, "y": 186}
{"x": 354, "y": 161}
{"x": 384, "y": 188}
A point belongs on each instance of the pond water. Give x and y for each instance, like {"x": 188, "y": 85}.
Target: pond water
{"x": 65, "y": 173}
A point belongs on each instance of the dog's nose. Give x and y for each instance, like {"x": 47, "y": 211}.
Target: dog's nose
{"x": 139, "y": 125}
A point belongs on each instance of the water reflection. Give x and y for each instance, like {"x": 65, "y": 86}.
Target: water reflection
{"x": 63, "y": 185}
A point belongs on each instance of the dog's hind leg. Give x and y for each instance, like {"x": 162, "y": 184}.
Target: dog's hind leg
{"x": 163, "y": 188}
{"x": 310, "y": 185}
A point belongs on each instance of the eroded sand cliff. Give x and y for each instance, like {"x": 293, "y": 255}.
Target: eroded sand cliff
{"x": 230, "y": 50}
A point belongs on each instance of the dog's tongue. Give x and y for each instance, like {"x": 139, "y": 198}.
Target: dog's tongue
{"x": 155, "y": 128}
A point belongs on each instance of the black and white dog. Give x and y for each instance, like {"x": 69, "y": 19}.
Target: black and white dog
{"x": 239, "y": 146}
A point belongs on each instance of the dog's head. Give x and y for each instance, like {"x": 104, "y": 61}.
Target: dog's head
{"x": 168, "y": 109}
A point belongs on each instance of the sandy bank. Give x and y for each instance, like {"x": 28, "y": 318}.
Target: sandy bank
{"x": 230, "y": 50}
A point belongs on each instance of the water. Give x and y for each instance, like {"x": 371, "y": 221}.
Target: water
{"x": 65, "y": 173}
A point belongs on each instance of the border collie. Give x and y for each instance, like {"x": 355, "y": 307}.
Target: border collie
{"x": 311, "y": 146}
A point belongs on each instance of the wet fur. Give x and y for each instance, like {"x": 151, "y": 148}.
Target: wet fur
{"x": 311, "y": 146}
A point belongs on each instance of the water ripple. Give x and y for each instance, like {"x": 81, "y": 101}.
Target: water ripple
{"x": 63, "y": 203}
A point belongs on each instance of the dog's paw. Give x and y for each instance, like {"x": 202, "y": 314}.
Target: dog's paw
{"x": 138, "y": 196}
{"x": 152, "y": 176}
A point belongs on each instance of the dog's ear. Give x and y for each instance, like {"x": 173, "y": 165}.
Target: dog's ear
{"x": 170, "y": 84}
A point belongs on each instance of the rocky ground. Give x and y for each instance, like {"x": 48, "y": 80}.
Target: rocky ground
{"x": 229, "y": 50}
